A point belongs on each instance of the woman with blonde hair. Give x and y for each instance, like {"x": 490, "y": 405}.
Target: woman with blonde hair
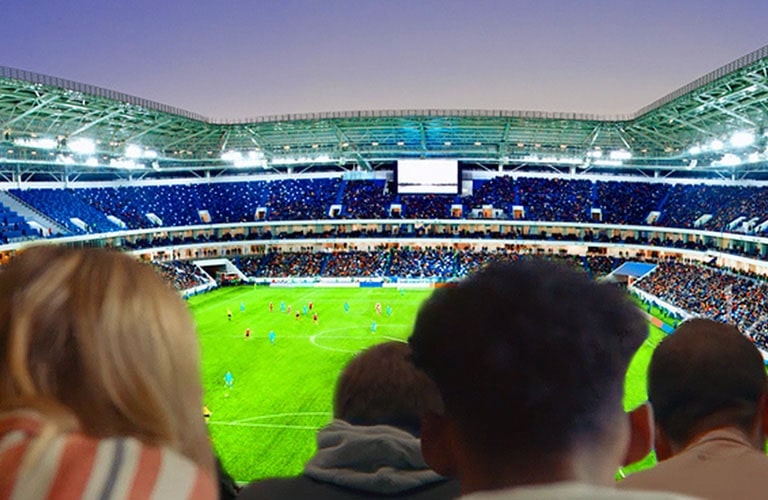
{"x": 100, "y": 390}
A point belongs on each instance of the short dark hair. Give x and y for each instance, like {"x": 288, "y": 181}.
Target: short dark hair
{"x": 381, "y": 386}
{"x": 705, "y": 368}
{"x": 529, "y": 356}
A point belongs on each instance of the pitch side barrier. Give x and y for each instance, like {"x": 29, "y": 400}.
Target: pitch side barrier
{"x": 312, "y": 282}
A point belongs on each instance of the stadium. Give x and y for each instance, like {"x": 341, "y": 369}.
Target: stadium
{"x": 273, "y": 219}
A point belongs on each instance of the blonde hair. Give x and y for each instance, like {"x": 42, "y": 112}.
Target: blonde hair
{"x": 97, "y": 342}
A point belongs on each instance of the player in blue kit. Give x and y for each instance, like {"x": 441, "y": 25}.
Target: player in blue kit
{"x": 229, "y": 380}
{"x": 272, "y": 337}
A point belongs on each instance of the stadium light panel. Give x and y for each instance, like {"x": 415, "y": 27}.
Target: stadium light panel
{"x": 742, "y": 139}
{"x": 92, "y": 162}
{"x": 620, "y": 154}
{"x": 694, "y": 150}
{"x": 148, "y": 153}
{"x": 608, "y": 163}
{"x": 82, "y": 146}
{"x": 133, "y": 151}
{"x": 124, "y": 163}
{"x": 730, "y": 160}
{"x": 232, "y": 156}
{"x": 716, "y": 145}
{"x": 37, "y": 142}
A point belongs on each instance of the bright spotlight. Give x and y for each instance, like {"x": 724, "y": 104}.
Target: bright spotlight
{"x": 620, "y": 155}
{"x": 742, "y": 139}
{"x": 694, "y": 150}
{"x": 716, "y": 145}
{"x": 133, "y": 151}
{"x": 82, "y": 146}
{"x": 232, "y": 156}
{"x": 730, "y": 160}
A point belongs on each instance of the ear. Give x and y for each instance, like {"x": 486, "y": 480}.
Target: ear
{"x": 437, "y": 444}
{"x": 762, "y": 415}
{"x": 663, "y": 445}
{"x": 641, "y": 433}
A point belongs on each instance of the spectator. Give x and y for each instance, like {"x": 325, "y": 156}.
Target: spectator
{"x": 100, "y": 390}
{"x": 371, "y": 449}
{"x": 708, "y": 388}
{"x": 530, "y": 359}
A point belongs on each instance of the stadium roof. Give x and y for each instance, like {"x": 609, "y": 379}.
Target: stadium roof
{"x": 716, "y": 124}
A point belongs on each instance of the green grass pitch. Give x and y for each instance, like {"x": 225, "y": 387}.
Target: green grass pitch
{"x": 266, "y": 425}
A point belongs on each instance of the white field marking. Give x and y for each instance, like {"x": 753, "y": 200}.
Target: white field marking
{"x": 250, "y": 422}
{"x": 269, "y": 426}
{"x": 313, "y": 338}
{"x": 281, "y": 415}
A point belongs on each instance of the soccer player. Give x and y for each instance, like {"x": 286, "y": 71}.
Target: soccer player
{"x": 310, "y": 305}
{"x": 206, "y": 414}
{"x": 373, "y": 327}
{"x": 346, "y": 307}
{"x": 288, "y": 309}
{"x": 229, "y": 380}
{"x": 298, "y": 315}
{"x": 305, "y": 310}
{"x": 247, "y": 333}
{"x": 314, "y": 317}
{"x": 272, "y": 337}
{"x": 282, "y": 306}
{"x": 378, "y": 308}
{"x": 389, "y": 310}
{"x": 242, "y": 307}
{"x": 229, "y": 314}
{"x": 271, "y": 306}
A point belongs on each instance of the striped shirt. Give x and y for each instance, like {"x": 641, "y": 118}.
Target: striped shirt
{"x": 77, "y": 466}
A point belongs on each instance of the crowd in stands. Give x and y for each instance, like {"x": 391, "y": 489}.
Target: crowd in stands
{"x": 366, "y": 200}
{"x": 541, "y": 199}
{"x": 291, "y": 264}
{"x": 356, "y": 264}
{"x": 440, "y": 263}
{"x": 713, "y": 293}
{"x": 182, "y": 275}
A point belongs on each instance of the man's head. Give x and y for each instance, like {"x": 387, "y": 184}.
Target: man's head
{"x": 381, "y": 386}
{"x": 704, "y": 376}
{"x": 530, "y": 359}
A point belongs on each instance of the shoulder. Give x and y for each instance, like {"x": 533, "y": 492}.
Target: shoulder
{"x": 37, "y": 463}
{"x": 575, "y": 491}
{"x": 306, "y": 487}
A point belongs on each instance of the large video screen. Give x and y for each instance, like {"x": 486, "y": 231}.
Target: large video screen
{"x": 428, "y": 177}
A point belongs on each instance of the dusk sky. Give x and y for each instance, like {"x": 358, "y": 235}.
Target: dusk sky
{"x": 245, "y": 58}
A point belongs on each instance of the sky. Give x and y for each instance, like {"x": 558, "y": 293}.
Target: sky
{"x": 236, "y": 59}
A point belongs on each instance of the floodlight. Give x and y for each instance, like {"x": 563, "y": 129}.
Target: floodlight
{"x": 694, "y": 150}
{"x": 92, "y": 162}
{"x": 742, "y": 139}
{"x": 730, "y": 159}
{"x": 133, "y": 151}
{"x": 148, "y": 153}
{"x": 608, "y": 163}
{"x": 716, "y": 145}
{"x": 620, "y": 154}
{"x": 123, "y": 163}
{"x": 82, "y": 146}
{"x": 39, "y": 143}
{"x": 232, "y": 156}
